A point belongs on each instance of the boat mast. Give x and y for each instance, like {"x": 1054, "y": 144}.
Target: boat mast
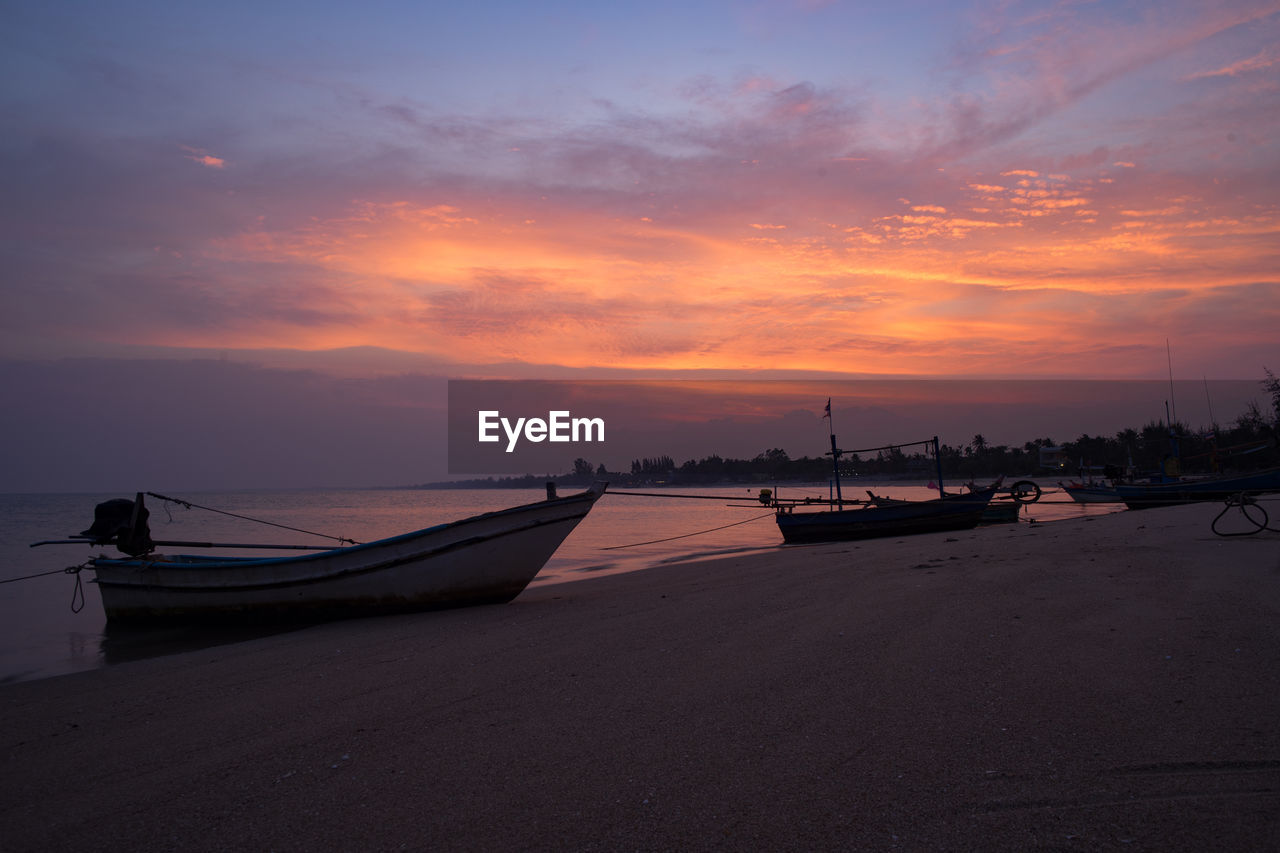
{"x": 1213, "y": 436}
{"x": 937, "y": 458}
{"x": 835, "y": 453}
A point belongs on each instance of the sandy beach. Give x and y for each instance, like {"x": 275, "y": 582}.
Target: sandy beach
{"x": 1106, "y": 683}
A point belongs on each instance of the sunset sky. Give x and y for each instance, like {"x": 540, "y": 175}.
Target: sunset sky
{"x": 767, "y": 187}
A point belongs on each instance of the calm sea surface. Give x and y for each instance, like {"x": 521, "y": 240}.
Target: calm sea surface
{"x": 41, "y": 636}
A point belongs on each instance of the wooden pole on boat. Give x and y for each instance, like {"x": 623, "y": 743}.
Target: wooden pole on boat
{"x": 137, "y": 511}
{"x": 1214, "y": 461}
{"x": 937, "y": 458}
{"x": 835, "y": 468}
{"x": 174, "y": 543}
{"x": 835, "y": 453}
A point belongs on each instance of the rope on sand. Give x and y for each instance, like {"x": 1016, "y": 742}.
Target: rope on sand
{"x": 1245, "y": 502}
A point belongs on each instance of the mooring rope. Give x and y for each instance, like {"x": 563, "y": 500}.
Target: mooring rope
{"x": 190, "y": 505}
{"x": 676, "y": 495}
{"x": 687, "y": 535}
{"x": 67, "y": 570}
{"x": 77, "y": 593}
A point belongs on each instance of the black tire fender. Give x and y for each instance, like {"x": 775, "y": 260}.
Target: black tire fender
{"x": 1025, "y": 492}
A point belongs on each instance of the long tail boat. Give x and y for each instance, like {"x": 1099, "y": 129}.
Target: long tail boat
{"x": 484, "y": 559}
{"x": 854, "y": 519}
{"x": 1185, "y": 491}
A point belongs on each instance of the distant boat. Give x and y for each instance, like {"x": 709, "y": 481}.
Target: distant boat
{"x": 996, "y": 511}
{"x": 892, "y": 518}
{"x": 484, "y": 559}
{"x": 1185, "y": 491}
{"x": 851, "y": 520}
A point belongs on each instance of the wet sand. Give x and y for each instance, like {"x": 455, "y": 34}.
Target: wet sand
{"x": 1110, "y": 683}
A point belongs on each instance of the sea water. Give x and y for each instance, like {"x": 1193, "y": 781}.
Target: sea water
{"x": 49, "y": 625}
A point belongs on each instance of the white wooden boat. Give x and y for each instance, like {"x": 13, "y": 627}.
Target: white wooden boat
{"x": 484, "y": 559}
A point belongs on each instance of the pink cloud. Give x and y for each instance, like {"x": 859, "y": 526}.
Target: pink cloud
{"x": 656, "y": 234}
{"x": 204, "y": 158}
{"x": 1258, "y": 62}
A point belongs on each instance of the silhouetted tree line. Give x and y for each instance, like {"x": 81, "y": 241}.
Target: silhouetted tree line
{"x": 1249, "y": 443}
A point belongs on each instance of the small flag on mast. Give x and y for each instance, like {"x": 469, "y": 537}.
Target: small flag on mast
{"x": 827, "y": 414}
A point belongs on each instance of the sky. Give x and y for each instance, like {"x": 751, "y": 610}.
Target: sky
{"x": 317, "y": 194}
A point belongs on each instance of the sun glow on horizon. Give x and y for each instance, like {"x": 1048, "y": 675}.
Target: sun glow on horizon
{"x": 884, "y": 292}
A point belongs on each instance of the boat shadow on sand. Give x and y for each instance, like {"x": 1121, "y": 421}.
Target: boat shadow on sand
{"x": 127, "y": 643}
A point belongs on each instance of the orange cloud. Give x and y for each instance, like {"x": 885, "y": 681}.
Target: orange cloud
{"x": 204, "y": 158}
{"x": 871, "y": 286}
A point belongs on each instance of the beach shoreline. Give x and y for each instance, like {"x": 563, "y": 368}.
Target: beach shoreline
{"x": 1108, "y": 682}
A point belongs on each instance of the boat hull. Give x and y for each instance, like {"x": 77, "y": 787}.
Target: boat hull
{"x": 1004, "y": 512}
{"x": 1150, "y": 496}
{"x": 960, "y": 512}
{"x": 486, "y": 559}
{"x": 1092, "y": 494}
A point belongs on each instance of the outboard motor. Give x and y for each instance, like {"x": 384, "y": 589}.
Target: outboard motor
{"x": 123, "y": 523}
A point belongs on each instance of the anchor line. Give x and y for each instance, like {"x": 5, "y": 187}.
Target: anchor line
{"x": 687, "y": 535}
{"x": 190, "y": 505}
